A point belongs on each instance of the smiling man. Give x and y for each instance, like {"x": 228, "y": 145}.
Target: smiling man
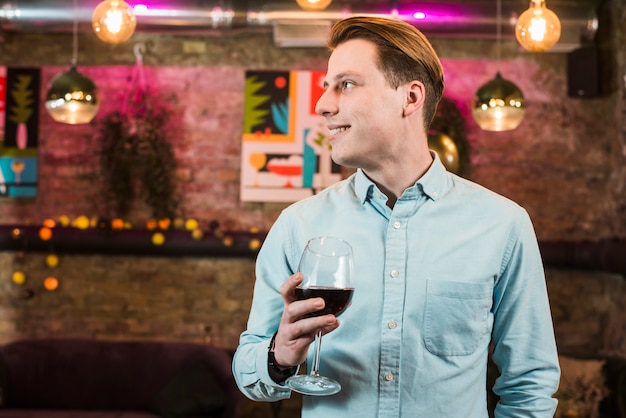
{"x": 445, "y": 269}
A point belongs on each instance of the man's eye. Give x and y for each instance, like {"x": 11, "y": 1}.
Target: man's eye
{"x": 346, "y": 85}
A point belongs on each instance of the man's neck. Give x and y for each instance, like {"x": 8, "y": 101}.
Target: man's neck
{"x": 394, "y": 182}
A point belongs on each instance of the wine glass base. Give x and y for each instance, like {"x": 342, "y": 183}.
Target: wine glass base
{"x": 307, "y": 384}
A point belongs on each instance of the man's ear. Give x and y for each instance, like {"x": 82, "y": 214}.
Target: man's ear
{"x": 415, "y": 96}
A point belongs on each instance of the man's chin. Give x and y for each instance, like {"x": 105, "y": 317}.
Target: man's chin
{"x": 336, "y": 157}
{"x": 344, "y": 162}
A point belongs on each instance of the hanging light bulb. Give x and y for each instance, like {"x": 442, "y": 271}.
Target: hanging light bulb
{"x": 72, "y": 98}
{"x": 314, "y": 5}
{"x": 498, "y": 105}
{"x": 538, "y": 28}
{"x": 113, "y": 21}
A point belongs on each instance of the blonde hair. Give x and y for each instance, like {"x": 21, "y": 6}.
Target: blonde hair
{"x": 404, "y": 54}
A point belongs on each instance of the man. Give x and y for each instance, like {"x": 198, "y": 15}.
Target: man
{"x": 445, "y": 269}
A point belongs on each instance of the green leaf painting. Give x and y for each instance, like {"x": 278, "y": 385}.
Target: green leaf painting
{"x": 22, "y": 98}
{"x": 253, "y": 115}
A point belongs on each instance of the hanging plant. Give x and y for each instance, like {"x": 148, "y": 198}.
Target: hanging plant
{"x": 115, "y": 152}
{"x": 136, "y": 158}
{"x": 156, "y": 164}
{"x": 137, "y": 162}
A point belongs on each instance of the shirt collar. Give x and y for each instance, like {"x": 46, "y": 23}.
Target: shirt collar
{"x": 433, "y": 183}
{"x": 364, "y": 187}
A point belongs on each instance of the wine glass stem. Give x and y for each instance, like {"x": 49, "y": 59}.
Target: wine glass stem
{"x": 316, "y": 358}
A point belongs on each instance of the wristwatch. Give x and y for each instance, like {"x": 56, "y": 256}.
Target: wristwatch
{"x": 278, "y": 373}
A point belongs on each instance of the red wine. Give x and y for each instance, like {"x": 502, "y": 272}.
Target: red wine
{"x": 337, "y": 299}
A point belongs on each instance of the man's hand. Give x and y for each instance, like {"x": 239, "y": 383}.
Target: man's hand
{"x": 297, "y": 330}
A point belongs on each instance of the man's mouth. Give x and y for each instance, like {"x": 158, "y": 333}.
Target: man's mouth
{"x": 335, "y": 131}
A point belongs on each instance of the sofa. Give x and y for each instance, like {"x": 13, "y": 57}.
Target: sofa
{"x": 71, "y": 378}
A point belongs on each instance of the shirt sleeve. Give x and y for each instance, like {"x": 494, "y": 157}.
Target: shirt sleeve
{"x": 523, "y": 337}
{"x": 273, "y": 267}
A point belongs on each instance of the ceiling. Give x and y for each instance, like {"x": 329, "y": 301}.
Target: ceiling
{"x": 293, "y": 26}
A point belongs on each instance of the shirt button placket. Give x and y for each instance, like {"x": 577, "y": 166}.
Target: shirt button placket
{"x": 395, "y": 260}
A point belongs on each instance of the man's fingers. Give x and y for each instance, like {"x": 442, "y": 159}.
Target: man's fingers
{"x": 288, "y": 288}
{"x": 303, "y": 308}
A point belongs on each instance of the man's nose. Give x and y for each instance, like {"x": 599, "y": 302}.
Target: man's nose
{"x": 326, "y": 104}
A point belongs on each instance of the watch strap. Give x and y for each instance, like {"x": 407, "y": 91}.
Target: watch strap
{"x": 277, "y": 373}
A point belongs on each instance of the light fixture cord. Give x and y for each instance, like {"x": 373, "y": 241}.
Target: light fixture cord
{"x": 75, "y": 35}
{"x": 498, "y": 34}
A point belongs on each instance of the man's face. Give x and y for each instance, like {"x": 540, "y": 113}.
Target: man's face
{"x": 363, "y": 112}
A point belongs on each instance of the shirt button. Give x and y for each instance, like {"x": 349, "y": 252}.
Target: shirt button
{"x": 435, "y": 194}
{"x": 394, "y": 273}
{"x": 389, "y": 377}
{"x": 396, "y": 224}
{"x": 392, "y": 324}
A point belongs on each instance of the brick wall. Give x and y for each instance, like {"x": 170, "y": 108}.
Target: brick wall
{"x": 565, "y": 164}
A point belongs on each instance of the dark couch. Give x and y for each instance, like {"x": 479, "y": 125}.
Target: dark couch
{"x": 73, "y": 378}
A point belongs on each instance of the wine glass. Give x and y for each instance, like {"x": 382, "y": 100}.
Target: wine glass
{"x": 327, "y": 266}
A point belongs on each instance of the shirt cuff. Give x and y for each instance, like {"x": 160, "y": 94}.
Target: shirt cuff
{"x": 262, "y": 369}
{"x": 277, "y": 373}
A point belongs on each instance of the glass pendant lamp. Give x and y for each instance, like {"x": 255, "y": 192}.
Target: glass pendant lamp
{"x": 113, "y": 21}
{"x": 499, "y": 104}
{"x": 538, "y": 28}
{"x": 72, "y": 98}
{"x": 314, "y": 5}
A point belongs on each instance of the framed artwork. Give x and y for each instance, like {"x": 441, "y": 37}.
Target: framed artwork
{"x": 19, "y": 130}
{"x": 285, "y": 155}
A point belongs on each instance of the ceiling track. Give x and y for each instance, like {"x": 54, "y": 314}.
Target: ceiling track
{"x": 454, "y": 19}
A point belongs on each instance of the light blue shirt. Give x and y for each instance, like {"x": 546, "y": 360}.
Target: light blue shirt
{"x": 450, "y": 270}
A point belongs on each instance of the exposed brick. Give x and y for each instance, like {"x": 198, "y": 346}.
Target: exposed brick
{"x": 565, "y": 164}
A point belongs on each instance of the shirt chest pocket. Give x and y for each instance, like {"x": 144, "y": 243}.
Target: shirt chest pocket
{"x": 457, "y": 316}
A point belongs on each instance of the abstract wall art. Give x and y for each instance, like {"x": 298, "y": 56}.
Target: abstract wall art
{"x": 19, "y": 130}
{"x": 285, "y": 154}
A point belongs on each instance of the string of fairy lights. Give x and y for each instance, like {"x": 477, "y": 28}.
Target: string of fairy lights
{"x": 156, "y": 233}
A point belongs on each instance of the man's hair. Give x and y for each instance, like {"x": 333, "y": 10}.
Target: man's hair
{"x": 404, "y": 54}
